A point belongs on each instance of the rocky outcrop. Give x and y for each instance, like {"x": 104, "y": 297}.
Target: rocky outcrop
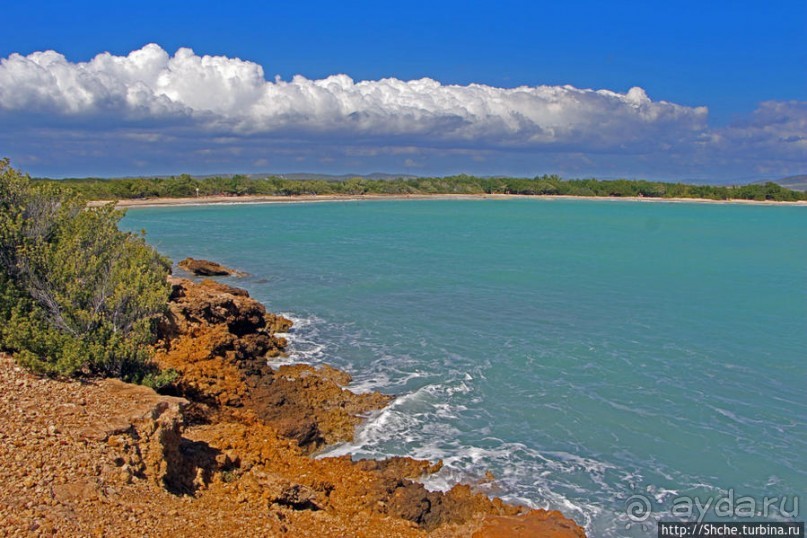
{"x": 230, "y": 455}
{"x": 219, "y": 339}
{"x": 148, "y": 431}
{"x": 546, "y": 524}
{"x": 311, "y": 404}
{"x": 80, "y": 456}
{"x": 207, "y": 268}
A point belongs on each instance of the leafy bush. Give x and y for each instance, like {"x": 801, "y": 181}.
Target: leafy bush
{"x": 160, "y": 379}
{"x": 78, "y": 295}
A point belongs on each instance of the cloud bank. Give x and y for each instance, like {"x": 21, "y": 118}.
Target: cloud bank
{"x": 225, "y": 111}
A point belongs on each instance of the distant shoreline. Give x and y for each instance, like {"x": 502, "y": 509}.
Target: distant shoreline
{"x": 307, "y": 198}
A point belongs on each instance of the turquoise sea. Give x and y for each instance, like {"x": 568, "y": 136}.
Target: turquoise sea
{"x": 588, "y": 353}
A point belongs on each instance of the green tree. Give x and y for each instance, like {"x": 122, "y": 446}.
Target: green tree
{"x": 79, "y": 296}
{"x": 355, "y": 186}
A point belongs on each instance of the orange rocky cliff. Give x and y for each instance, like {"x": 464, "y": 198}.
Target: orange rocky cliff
{"x": 228, "y": 453}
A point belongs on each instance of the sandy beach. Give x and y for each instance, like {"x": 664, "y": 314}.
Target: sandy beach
{"x": 265, "y": 199}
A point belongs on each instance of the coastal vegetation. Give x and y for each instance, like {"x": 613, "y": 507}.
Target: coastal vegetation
{"x": 184, "y": 186}
{"x": 77, "y": 295}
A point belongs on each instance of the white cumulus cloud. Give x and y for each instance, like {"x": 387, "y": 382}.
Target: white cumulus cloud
{"x": 184, "y": 111}
{"x": 229, "y": 94}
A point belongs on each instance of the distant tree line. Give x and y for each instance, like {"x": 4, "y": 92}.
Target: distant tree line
{"x": 186, "y": 186}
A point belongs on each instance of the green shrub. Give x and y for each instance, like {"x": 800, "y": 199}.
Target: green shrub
{"x": 159, "y": 379}
{"x": 79, "y": 296}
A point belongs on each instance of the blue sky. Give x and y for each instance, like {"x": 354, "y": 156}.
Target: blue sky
{"x": 734, "y": 75}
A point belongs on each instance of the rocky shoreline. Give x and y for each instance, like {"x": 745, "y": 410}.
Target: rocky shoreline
{"x": 227, "y": 453}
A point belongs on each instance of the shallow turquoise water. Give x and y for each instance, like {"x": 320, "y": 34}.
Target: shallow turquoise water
{"x": 583, "y": 351}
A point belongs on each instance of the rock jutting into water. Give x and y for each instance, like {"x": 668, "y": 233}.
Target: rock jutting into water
{"x": 218, "y": 338}
{"x": 228, "y": 453}
{"x": 207, "y": 268}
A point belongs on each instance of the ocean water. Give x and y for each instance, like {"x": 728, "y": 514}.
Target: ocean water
{"x": 590, "y": 354}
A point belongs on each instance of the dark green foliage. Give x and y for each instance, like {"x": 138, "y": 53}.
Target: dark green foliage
{"x": 78, "y": 295}
{"x": 186, "y": 186}
{"x": 160, "y": 380}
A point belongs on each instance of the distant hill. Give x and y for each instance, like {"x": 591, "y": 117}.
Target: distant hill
{"x": 304, "y": 176}
{"x": 331, "y": 177}
{"x": 295, "y": 176}
{"x": 796, "y": 183}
